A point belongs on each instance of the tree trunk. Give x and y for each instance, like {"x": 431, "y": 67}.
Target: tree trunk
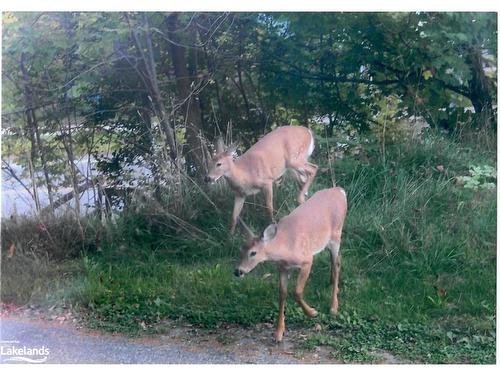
{"x": 34, "y": 130}
{"x": 189, "y": 101}
{"x": 43, "y": 158}
{"x": 242, "y": 89}
{"x": 150, "y": 79}
{"x": 69, "y": 24}
{"x": 263, "y": 112}
{"x": 68, "y": 145}
{"x": 206, "y": 41}
{"x": 153, "y": 77}
{"x": 193, "y": 54}
{"x": 211, "y": 71}
{"x": 478, "y": 86}
{"x": 33, "y": 183}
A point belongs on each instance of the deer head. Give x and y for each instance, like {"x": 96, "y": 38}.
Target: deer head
{"x": 222, "y": 161}
{"x": 254, "y": 250}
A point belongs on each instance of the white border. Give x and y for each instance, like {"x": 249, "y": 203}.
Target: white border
{"x": 257, "y": 5}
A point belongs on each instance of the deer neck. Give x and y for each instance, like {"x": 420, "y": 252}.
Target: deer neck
{"x": 276, "y": 250}
{"x": 236, "y": 176}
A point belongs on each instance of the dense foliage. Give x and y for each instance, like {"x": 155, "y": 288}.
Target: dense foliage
{"x": 154, "y": 89}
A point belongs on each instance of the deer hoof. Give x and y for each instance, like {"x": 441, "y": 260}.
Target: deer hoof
{"x": 278, "y": 335}
{"x": 312, "y": 313}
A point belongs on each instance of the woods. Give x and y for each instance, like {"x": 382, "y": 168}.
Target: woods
{"x": 170, "y": 83}
{"x": 110, "y": 121}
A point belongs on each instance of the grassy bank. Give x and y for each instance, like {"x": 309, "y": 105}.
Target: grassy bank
{"x": 419, "y": 259}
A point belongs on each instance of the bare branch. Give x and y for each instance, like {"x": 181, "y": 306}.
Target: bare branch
{"x": 8, "y": 168}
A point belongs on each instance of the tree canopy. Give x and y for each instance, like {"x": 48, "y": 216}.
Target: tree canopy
{"x": 155, "y": 89}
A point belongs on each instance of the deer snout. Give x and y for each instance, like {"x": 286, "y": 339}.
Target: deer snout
{"x": 238, "y": 272}
{"x": 207, "y": 179}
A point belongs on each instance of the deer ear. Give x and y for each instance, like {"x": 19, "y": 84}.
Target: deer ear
{"x": 269, "y": 232}
{"x": 219, "y": 146}
{"x": 231, "y": 150}
{"x": 246, "y": 231}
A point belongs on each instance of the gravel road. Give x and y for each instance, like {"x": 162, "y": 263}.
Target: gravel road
{"x": 67, "y": 344}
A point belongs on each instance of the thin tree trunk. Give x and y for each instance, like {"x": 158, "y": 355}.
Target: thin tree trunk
{"x": 242, "y": 89}
{"x": 211, "y": 72}
{"x": 478, "y": 86}
{"x": 34, "y": 187}
{"x": 43, "y": 159}
{"x": 193, "y": 63}
{"x": 190, "y": 104}
{"x": 150, "y": 80}
{"x": 149, "y": 134}
{"x": 156, "y": 93}
{"x": 71, "y": 161}
{"x": 34, "y": 130}
{"x": 256, "y": 90}
{"x": 211, "y": 67}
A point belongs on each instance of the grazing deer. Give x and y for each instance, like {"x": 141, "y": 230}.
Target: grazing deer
{"x": 287, "y": 147}
{"x": 294, "y": 241}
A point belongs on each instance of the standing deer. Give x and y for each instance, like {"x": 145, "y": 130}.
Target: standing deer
{"x": 294, "y": 241}
{"x": 287, "y": 147}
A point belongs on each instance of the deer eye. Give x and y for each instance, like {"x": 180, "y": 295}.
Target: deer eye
{"x": 253, "y": 253}
{"x": 218, "y": 164}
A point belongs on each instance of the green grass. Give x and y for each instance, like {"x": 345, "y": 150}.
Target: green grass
{"x": 28, "y": 278}
{"x": 359, "y": 340}
{"x": 419, "y": 261}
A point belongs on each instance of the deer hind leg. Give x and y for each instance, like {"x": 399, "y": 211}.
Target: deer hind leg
{"x": 301, "y": 179}
{"x": 280, "y": 329}
{"x": 299, "y": 176}
{"x": 311, "y": 170}
{"x": 307, "y": 172}
{"x": 336, "y": 260}
{"x": 299, "y": 290}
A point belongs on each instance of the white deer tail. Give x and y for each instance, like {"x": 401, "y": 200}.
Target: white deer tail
{"x": 311, "y": 145}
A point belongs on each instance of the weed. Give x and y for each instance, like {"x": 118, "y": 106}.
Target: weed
{"x": 481, "y": 177}
{"x": 414, "y": 342}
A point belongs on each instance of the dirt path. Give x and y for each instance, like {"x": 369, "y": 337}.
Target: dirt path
{"x": 61, "y": 337}
{"x": 65, "y": 343}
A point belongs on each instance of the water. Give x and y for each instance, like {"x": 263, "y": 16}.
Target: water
{"x": 16, "y": 200}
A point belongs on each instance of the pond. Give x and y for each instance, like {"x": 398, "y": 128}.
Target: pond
{"x": 17, "y": 200}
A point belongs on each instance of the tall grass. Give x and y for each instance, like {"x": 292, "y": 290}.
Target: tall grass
{"x": 419, "y": 256}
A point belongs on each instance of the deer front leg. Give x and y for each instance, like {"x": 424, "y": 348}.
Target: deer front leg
{"x": 238, "y": 206}
{"x": 299, "y": 290}
{"x": 336, "y": 260}
{"x": 280, "y": 329}
{"x": 268, "y": 193}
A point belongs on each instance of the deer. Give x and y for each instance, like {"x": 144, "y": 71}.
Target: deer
{"x": 292, "y": 244}
{"x": 285, "y": 148}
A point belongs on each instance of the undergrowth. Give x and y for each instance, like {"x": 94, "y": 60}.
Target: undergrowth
{"x": 418, "y": 272}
